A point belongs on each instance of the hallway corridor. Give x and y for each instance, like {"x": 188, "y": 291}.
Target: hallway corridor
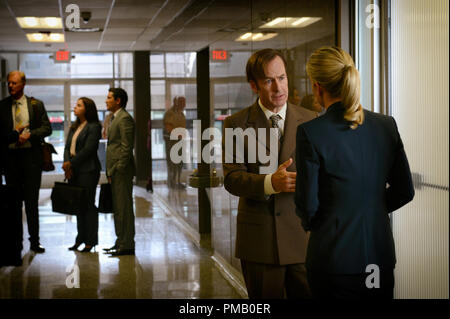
{"x": 167, "y": 264}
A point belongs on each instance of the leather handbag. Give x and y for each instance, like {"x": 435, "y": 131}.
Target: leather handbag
{"x": 47, "y": 148}
{"x": 47, "y": 161}
{"x": 68, "y": 199}
{"x": 105, "y": 199}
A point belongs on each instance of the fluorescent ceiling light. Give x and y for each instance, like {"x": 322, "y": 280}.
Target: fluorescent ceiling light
{"x": 290, "y": 22}
{"x": 44, "y": 37}
{"x": 259, "y": 36}
{"x": 40, "y": 22}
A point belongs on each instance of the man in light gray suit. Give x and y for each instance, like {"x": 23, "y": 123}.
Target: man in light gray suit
{"x": 120, "y": 169}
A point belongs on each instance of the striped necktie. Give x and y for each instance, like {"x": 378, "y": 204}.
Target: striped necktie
{"x": 17, "y": 115}
{"x": 275, "y": 119}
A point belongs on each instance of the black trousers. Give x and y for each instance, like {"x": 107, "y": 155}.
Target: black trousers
{"x": 350, "y": 286}
{"x": 23, "y": 173}
{"x": 87, "y": 221}
{"x": 11, "y": 230}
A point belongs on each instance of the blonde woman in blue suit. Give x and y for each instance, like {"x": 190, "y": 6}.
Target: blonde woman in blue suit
{"x": 352, "y": 171}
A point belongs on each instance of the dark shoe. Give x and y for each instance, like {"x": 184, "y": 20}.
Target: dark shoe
{"x": 74, "y": 247}
{"x": 122, "y": 252}
{"x": 87, "y": 249}
{"x": 37, "y": 249}
{"x": 110, "y": 249}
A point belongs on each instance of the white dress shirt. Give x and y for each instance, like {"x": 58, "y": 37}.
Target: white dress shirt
{"x": 268, "y": 187}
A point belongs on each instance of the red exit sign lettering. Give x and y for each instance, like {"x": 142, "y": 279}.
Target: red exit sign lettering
{"x": 219, "y": 55}
{"x": 62, "y": 57}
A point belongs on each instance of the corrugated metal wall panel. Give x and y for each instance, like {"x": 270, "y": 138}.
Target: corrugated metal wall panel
{"x": 420, "y": 105}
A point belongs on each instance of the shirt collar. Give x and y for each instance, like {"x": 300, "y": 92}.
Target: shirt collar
{"x": 22, "y": 100}
{"x": 269, "y": 113}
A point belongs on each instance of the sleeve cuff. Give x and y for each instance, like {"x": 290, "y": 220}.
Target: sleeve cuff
{"x": 268, "y": 188}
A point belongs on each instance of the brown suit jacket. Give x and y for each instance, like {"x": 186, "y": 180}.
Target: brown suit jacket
{"x": 268, "y": 229}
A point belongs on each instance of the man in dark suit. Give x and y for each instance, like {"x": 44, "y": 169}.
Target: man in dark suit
{"x": 11, "y": 232}
{"x": 270, "y": 240}
{"x": 120, "y": 169}
{"x": 23, "y": 168}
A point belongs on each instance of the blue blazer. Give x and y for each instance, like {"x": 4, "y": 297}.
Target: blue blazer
{"x": 348, "y": 181}
{"x": 86, "y": 158}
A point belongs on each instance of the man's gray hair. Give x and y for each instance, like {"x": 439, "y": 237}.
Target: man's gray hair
{"x": 21, "y": 74}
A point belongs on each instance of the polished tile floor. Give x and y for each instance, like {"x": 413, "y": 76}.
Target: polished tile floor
{"x": 167, "y": 264}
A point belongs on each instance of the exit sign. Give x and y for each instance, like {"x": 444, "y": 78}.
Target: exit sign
{"x": 219, "y": 55}
{"x": 62, "y": 56}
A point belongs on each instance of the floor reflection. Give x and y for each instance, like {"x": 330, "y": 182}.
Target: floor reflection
{"x": 166, "y": 265}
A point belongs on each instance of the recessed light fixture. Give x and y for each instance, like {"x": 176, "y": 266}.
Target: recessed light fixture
{"x": 258, "y": 36}
{"x": 290, "y": 22}
{"x": 45, "y": 37}
{"x": 84, "y": 30}
{"x": 40, "y": 22}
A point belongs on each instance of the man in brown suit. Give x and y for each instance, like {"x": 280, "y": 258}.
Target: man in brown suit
{"x": 270, "y": 240}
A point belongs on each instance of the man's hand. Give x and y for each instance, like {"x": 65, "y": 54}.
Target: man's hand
{"x": 24, "y": 136}
{"x": 20, "y": 128}
{"x": 282, "y": 180}
{"x": 109, "y": 180}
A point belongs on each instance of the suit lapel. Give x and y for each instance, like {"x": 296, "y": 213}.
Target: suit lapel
{"x": 30, "y": 112}
{"x": 113, "y": 125}
{"x": 257, "y": 119}
{"x": 293, "y": 119}
{"x": 81, "y": 136}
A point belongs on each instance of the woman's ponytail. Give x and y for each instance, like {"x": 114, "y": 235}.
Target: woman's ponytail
{"x": 335, "y": 71}
{"x": 350, "y": 93}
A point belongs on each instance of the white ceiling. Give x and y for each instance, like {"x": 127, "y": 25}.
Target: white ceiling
{"x": 166, "y": 25}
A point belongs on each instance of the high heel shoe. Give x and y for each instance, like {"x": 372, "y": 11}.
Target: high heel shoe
{"x": 87, "y": 249}
{"x": 75, "y": 247}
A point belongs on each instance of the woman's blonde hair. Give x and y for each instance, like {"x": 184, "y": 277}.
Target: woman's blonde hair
{"x": 335, "y": 71}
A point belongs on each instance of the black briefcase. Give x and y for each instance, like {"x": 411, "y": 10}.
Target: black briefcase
{"x": 68, "y": 199}
{"x": 105, "y": 199}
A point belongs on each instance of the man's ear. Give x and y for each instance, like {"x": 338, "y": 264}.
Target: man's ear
{"x": 254, "y": 86}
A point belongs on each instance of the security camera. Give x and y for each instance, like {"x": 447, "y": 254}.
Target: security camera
{"x": 86, "y": 16}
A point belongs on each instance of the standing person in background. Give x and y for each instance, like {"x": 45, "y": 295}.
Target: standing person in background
{"x": 173, "y": 118}
{"x": 82, "y": 168}
{"x": 352, "y": 172}
{"x": 23, "y": 168}
{"x": 294, "y": 97}
{"x": 120, "y": 169}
